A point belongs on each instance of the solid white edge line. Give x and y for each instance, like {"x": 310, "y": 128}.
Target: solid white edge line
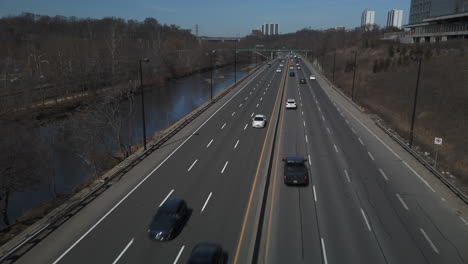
{"x": 315, "y": 194}
{"x": 370, "y": 155}
{"x": 429, "y": 241}
{"x": 324, "y": 251}
{"x": 225, "y": 164}
{"x": 193, "y": 164}
{"x": 147, "y": 176}
{"x": 179, "y": 254}
{"x": 365, "y": 219}
{"x": 402, "y": 201}
{"x": 347, "y": 176}
{"x": 167, "y": 197}
{"x": 391, "y": 150}
{"x": 206, "y": 202}
{"x": 235, "y": 146}
{"x": 123, "y": 251}
{"x": 383, "y": 174}
{"x": 207, "y": 146}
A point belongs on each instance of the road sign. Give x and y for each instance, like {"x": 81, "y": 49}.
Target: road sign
{"x": 438, "y": 141}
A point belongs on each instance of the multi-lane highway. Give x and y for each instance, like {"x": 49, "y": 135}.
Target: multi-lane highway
{"x": 212, "y": 169}
{"x": 366, "y": 201}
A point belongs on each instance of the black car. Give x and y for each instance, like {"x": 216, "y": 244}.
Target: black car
{"x": 168, "y": 220}
{"x": 291, "y": 74}
{"x": 295, "y": 171}
{"x": 302, "y": 81}
{"x": 207, "y": 253}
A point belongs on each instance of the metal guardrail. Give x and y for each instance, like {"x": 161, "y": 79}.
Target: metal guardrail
{"x": 426, "y": 164}
{"x": 38, "y": 235}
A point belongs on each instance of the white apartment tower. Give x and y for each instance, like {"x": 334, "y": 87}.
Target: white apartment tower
{"x": 395, "y": 18}
{"x": 368, "y": 18}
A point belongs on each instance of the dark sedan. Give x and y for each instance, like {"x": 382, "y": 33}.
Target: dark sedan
{"x": 169, "y": 220}
{"x": 207, "y": 253}
{"x": 302, "y": 81}
{"x": 295, "y": 171}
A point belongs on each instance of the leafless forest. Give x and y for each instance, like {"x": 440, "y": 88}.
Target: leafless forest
{"x": 82, "y": 70}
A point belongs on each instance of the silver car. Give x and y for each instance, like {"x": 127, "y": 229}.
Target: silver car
{"x": 259, "y": 121}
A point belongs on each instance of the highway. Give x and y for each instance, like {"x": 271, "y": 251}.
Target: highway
{"x": 367, "y": 202}
{"x": 363, "y": 204}
{"x": 212, "y": 170}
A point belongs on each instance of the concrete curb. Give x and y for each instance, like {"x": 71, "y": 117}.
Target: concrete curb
{"x": 32, "y": 235}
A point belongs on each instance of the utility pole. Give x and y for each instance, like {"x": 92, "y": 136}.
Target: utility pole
{"x": 354, "y": 75}
{"x": 143, "y": 102}
{"x": 410, "y": 141}
{"x": 334, "y": 61}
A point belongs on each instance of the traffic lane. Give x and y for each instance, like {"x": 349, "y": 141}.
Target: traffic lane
{"x": 418, "y": 233}
{"x": 342, "y": 226}
{"x": 203, "y": 230}
{"x": 369, "y": 189}
{"x": 293, "y": 233}
{"x": 87, "y": 245}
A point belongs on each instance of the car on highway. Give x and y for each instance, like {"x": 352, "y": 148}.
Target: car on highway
{"x": 281, "y": 64}
{"x": 312, "y": 77}
{"x": 259, "y": 121}
{"x": 297, "y": 64}
{"x": 207, "y": 253}
{"x": 302, "y": 81}
{"x": 291, "y": 68}
{"x": 291, "y": 74}
{"x": 168, "y": 220}
{"x": 295, "y": 171}
{"x": 278, "y": 70}
{"x": 298, "y": 67}
{"x": 291, "y": 103}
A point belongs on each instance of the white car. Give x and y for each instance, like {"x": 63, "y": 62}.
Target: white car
{"x": 278, "y": 70}
{"x": 291, "y": 68}
{"x": 259, "y": 121}
{"x": 281, "y": 64}
{"x": 291, "y": 104}
{"x": 298, "y": 67}
{"x": 312, "y": 77}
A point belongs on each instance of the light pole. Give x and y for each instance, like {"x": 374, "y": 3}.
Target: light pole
{"x": 410, "y": 141}
{"x": 235, "y": 64}
{"x": 334, "y": 62}
{"x": 143, "y": 101}
{"x": 211, "y": 74}
{"x": 354, "y": 75}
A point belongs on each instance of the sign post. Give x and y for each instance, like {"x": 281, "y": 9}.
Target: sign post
{"x": 437, "y": 142}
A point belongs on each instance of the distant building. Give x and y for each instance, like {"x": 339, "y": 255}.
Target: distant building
{"x": 438, "y": 20}
{"x": 340, "y": 28}
{"x": 256, "y": 32}
{"x": 395, "y": 18}
{"x": 368, "y": 19}
{"x": 270, "y": 29}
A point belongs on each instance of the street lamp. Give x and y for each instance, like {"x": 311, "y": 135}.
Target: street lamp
{"x": 235, "y": 64}
{"x": 211, "y": 74}
{"x": 143, "y": 101}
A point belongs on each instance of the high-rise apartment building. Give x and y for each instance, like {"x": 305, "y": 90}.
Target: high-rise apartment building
{"x": 270, "y": 29}
{"x": 367, "y": 18}
{"x": 395, "y": 18}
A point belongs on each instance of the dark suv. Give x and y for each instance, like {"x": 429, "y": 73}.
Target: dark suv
{"x": 295, "y": 171}
{"x": 302, "y": 81}
{"x": 291, "y": 74}
{"x": 169, "y": 220}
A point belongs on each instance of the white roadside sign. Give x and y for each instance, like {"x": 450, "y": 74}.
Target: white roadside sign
{"x": 438, "y": 141}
